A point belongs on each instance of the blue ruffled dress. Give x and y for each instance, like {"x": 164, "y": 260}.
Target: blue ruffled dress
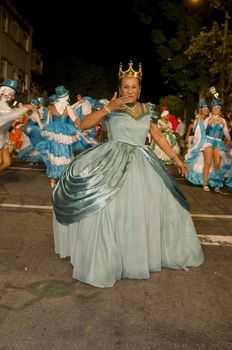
{"x": 89, "y": 136}
{"x": 117, "y": 211}
{"x": 34, "y": 150}
{"x": 59, "y": 134}
{"x": 62, "y": 139}
{"x": 210, "y": 136}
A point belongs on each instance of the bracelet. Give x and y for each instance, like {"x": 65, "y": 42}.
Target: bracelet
{"x": 107, "y": 109}
{"x": 174, "y": 157}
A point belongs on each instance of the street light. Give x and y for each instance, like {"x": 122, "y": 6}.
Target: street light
{"x": 194, "y": 2}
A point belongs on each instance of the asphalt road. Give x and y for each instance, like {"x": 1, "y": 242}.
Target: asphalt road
{"x": 42, "y": 307}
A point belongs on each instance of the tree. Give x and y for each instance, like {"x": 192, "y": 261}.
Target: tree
{"x": 194, "y": 45}
{"x": 175, "y": 104}
{"x": 213, "y": 47}
{"x": 77, "y": 76}
{"x": 172, "y": 26}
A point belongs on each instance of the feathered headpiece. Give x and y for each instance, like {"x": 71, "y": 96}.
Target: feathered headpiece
{"x": 214, "y": 92}
{"x": 130, "y": 72}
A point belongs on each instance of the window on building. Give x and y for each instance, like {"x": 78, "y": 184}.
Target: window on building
{"x": 21, "y": 37}
{"x": 11, "y": 27}
{"x": 24, "y": 39}
{"x": 16, "y": 32}
{"x": 14, "y": 29}
{"x": 27, "y": 42}
{"x": 26, "y": 82}
{"x": 5, "y": 21}
{"x": 21, "y": 81}
{"x": 4, "y": 68}
{"x": 10, "y": 70}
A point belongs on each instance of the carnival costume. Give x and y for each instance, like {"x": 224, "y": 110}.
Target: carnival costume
{"x": 81, "y": 109}
{"x": 33, "y": 149}
{"x": 209, "y": 134}
{"x": 8, "y": 114}
{"x": 43, "y": 111}
{"x": 16, "y": 134}
{"x": 61, "y": 134}
{"x": 166, "y": 128}
{"x": 117, "y": 211}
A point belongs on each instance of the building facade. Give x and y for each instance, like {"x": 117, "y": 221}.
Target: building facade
{"x": 15, "y": 48}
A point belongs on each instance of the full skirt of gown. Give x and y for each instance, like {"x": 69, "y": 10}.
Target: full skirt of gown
{"x": 138, "y": 226}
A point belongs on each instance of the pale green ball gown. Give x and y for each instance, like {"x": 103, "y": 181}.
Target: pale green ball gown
{"x": 117, "y": 211}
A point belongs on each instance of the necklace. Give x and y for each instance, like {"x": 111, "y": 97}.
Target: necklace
{"x": 215, "y": 118}
{"x": 133, "y": 111}
{"x": 130, "y": 106}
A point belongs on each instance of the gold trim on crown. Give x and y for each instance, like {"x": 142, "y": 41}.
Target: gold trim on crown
{"x": 130, "y": 72}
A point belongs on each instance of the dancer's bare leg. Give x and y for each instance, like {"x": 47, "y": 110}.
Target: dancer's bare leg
{"x": 208, "y": 156}
{"x": 5, "y": 159}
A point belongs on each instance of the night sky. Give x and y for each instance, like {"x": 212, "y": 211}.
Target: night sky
{"x": 96, "y": 33}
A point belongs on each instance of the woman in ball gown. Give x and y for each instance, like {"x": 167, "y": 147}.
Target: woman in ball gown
{"x": 117, "y": 211}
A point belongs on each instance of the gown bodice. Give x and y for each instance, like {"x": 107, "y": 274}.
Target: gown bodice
{"x": 60, "y": 118}
{"x": 123, "y": 127}
{"x": 215, "y": 130}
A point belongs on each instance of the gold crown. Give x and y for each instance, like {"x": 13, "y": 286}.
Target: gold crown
{"x": 130, "y": 72}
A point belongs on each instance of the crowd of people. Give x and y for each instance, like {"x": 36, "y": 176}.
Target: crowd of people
{"x": 205, "y": 145}
{"x": 118, "y": 213}
{"x": 43, "y": 134}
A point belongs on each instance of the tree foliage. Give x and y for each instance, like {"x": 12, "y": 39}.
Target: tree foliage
{"x": 175, "y": 104}
{"x": 193, "y": 44}
{"x": 79, "y": 77}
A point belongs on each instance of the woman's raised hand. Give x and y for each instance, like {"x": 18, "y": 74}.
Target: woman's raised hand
{"x": 117, "y": 103}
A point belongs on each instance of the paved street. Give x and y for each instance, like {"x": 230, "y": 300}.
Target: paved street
{"x": 42, "y": 307}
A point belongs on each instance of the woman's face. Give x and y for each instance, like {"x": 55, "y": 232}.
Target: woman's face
{"x": 130, "y": 86}
{"x": 8, "y": 96}
{"x": 165, "y": 117}
{"x": 216, "y": 109}
{"x": 205, "y": 111}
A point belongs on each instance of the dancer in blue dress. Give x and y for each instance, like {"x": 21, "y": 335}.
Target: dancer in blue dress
{"x": 82, "y": 107}
{"x": 117, "y": 211}
{"x": 33, "y": 149}
{"x": 43, "y": 110}
{"x": 208, "y": 158}
{"x": 60, "y": 134}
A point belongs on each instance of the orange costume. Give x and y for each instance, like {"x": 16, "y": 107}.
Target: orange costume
{"x": 15, "y": 136}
